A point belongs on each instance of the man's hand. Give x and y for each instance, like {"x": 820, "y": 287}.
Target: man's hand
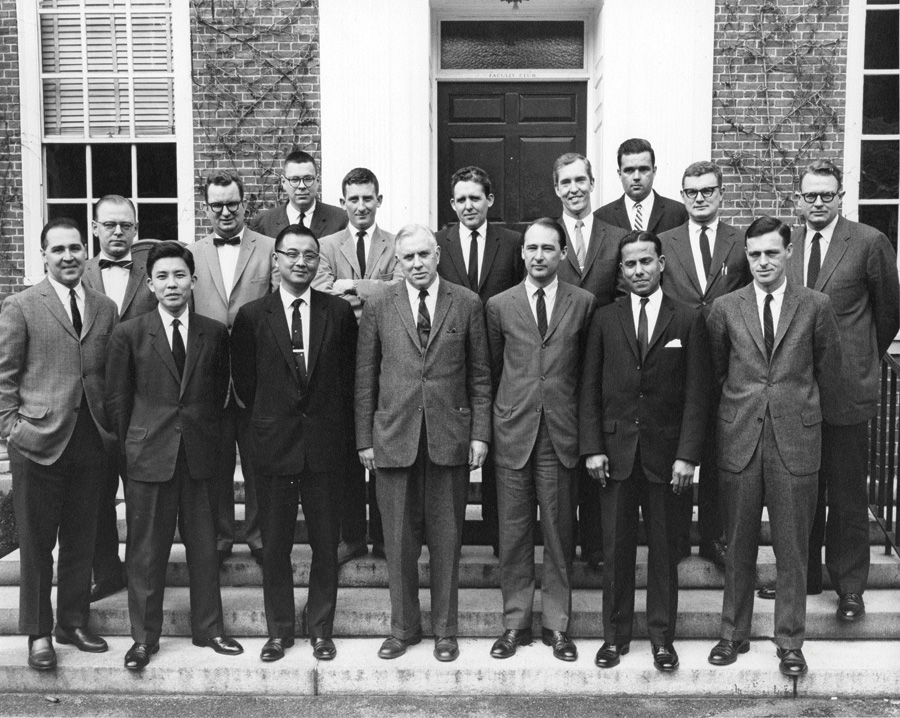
{"x": 682, "y": 475}
{"x": 598, "y": 467}
{"x": 477, "y": 454}
{"x": 367, "y": 458}
{"x": 345, "y": 286}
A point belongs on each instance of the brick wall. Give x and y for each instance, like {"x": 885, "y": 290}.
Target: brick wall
{"x": 12, "y": 263}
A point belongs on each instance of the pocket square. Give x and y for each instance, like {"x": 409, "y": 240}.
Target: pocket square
{"x": 674, "y": 343}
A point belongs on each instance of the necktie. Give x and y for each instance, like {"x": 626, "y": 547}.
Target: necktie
{"x": 76, "y": 315}
{"x": 643, "y": 339}
{"x": 361, "y": 252}
{"x": 638, "y": 217}
{"x": 423, "y": 320}
{"x": 579, "y": 244}
{"x": 704, "y": 250}
{"x": 768, "y": 326}
{"x": 123, "y": 263}
{"x": 178, "y": 352}
{"x": 219, "y": 241}
{"x": 815, "y": 261}
{"x": 302, "y": 217}
{"x": 541, "y": 312}
{"x": 473, "y": 262}
{"x": 297, "y": 341}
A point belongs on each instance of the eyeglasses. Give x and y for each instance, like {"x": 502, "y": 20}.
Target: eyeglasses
{"x": 826, "y": 197}
{"x": 293, "y": 256}
{"x": 707, "y": 192}
{"x": 217, "y": 207}
{"x": 307, "y": 181}
{"x": 111, "y": 226}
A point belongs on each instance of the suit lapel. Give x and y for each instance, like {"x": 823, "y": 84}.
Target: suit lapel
{"x": 663, "y": 319}
{"x": 725, "y": 242}
{"x": 656, "y": 214}
{"x": 161, "y": 345}
{"x": 280, "y": 332}
{"x": 789, "y": 304}
{"x": 795, "y": 264}
{"x": 597, "y": 237}
{"x": 348, "y": 249}
{"x": 248, "y": 244}
{"x": 192, "y": 351}
{"x": 491, "y": 244}
{"x": 135, "y": 279}
{"x": 751, "y": 317}
{"x": 379, "y": 247}
{"x": 840, "y": 239}
{"x": 318, "y": 220}
{"x": 523, "y": 306}
{"x": 683, "y": 254}
{"x": 442, "y": 305}
{"x": 51, "y": 299}
{"x": 622, "y": 213}
{"x": 454, "y": 249}
{"x": 626, "y": 319}
{"x": 570, "y": 255}
{"x": 93, "y": 277}
{"x": 401, "y": 304}
{"x": 318, "y": 318}
{"x": 215, "y": 269}
{"x": 560, "y": 307}
{"x": 90, "y": 312}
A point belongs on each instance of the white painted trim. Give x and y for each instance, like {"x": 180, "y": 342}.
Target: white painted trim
{"x": 184, "y": 119}
{"x": 856, "y": 46}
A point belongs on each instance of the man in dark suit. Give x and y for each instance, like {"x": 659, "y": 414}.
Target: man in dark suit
{"x": 423, "y": 420}
{"x": 234, "y": 266}
{"x": 536, "y": 333}
{"x": 776, "y": 353}
{"x": 855, "y": 265}
{"x": 300, "y": 182}
{"x": 122, "y": 278}
{"x": 487, "y": 259}
{"x": 293, "y": 362}
{"x": 641, "y": 207}
{"x": 167, "y": 379}
{"x": 53, "y": 353}
{"x": 705, "y": 259}
{"x": 645, "y": 393}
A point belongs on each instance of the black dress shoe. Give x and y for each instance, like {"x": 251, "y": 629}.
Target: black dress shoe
{"x": 394, "y": 647}
{"x": 792, "y": 662}
{"x": 767, "y": 593}
{"x": 713, "y": 551}
{"x": 851, "y": 607}
{"x": 378, "y": 549}
{"x": 323, "y": 648}
{"x": 684, "y": 548}
{"x": 223, "y": 554}
{"x": 446, "y": 648}
{"x": 102, "y": 589}
{"x": 138, "y": 656}
{"x": 274, "y": 649}
{"x": 349, "y": 551}
{"x": 41, "y": 655}
{"x": 664, "y": 658}
{"x": 725, "y": 652}
{"x": 505, "y": 646}
{"x": 595, "y": 561}
{"x": 81, "y": 639}
{"x": 563, "y": 647}
{"x": 257, "y": 554}
{"x": 225, "y": 645}
{"x": 609, "y": 653}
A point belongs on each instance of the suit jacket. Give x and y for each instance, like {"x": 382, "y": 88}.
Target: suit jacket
{"x": 859, "y": 274}
{"x": 327, "y": 219}
{"x": 337, "y": 260}
{"x": 534, "y": 374}
{"x": 793, "y": 387}
{"x": 601, "y": 276}
{"x": 729, "y": 267}
{"x": 295, "y": 425}
{"x": 397, "y": 382}
{"x": 46, "y": 369}
{"x": 501, "y": 267}
{"x": 138, "y": 297}
{"x": 667, "y": 214}
{"x": 153, "y": 410}
{"x": 661, "y": 405}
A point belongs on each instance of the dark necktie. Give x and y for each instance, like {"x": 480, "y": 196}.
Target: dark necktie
{"x": 361, "y": 252}
{"x": 815, "y": 261}
{"x": 704, "y": 250}
{"x": 423, "y": 320}
{"x": 297, "y": 341}
{"x": 473, "y": 262}
{"x": 178, "y": 352}
{"x": 541, "y": 312}
{"x": 219, "y": 241}
{"x": 643, "y": 339}
{"x": 76, "y": 315}
{"x": 302, "y": 217}
{"x": 768, "y": 326}
{"x": 123, "y": 263}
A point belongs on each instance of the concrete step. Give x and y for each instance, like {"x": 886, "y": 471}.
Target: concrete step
{"x": 848, "y": 669}
{"x": 5, "y": 480}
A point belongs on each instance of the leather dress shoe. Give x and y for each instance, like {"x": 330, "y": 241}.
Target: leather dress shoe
{"x": 350, "y": 551}
{"x": 394, "y": 647}
{"x": 725, "y": 652}
{"x": 851, "y": 607}
{"x": 41, "y": 655}
{"x": 274, "y": 649}
{"x": 684, "y": 548}
{"x": 792, "y": 662}
{"x": 378, "y": 550}
{"x": 257, "y": 554}
{"x": 223, "y": 554}
{"x": 446, "y": 648}
{"x": 767, "y": 593}
{"x": 563, "y": 647}
{"x": 506, "y": 645}
{"x": 609, "y": 653}
{"x": 713, "y": 551}
{"x": 224, "y": 645}
{"x": 138, "y": 656}
{"x": 323, "y": 648}
{"x": 595, "y": 560}
{"x": 102, "y": 589}
{"x": 81, "y": 639}
{"x": 664, "y": 658}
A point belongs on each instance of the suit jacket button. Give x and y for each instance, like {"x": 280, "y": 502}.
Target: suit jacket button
{"x": 640, "y": 395}
{"x": 703, "y": 303}
{"x": 637, "y": 421}
{"x": 420, "y": 408}
{"x": 543, "y": 378}
{"x": 424, "y": 380}
{"x": 538, "y": 410}
{"x": 177, "y": 429}
{"x": 759, "y": 420}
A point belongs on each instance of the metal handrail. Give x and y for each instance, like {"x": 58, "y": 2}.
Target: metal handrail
{"x": 883, "y": 455}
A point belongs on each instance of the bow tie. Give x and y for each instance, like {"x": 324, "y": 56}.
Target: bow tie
{"x": 123, "y": 263}
{"x": 219, "y": 241}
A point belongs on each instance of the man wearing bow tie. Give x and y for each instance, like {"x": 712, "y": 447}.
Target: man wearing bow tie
{"x": 234, "y": 266}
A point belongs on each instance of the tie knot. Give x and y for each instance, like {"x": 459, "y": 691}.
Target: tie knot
{"x": 361, "y": 234}
{"x": 176, "y": 323}
{"x": 768, "y": 298}
{"x": 539, "y": 292}
{"x": 73, "y": 294}
{"x": 816, "y": 237}
{"x": 703, "y": 228}
{"x": 637, "y": 205}
{"x": 579, "y": 224}
{"x": 644, "y": 301}
{"x": 475, "y": 236}
{"x": 297, "y": 302}
{"x": 423, "y": 294}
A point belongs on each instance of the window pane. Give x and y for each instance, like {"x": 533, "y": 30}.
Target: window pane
{"x": 76, "y": 211}
{"x": 881, "y": 216}
{"x": 881, "y": 105}
{"x": 880, "y": 162}
{"x": 63, "y": 107}
{"x": 157, "y": 172}
{"x": 111, "y": 169}
{"x": 154, "y": 107}
{"x": 107, "y": 42}
{"x": 109, "y": 107}
{"x": 512, "y": 45}
{"x": 158, "y": 221}
{"x": 882, "y": 39}
{"x": 152, "y": 43}
{"x": 66, "y": 171}
{"x": 61, "y": 43}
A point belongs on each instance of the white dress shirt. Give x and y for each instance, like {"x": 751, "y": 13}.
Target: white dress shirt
{"x": 115, "y": 279}
{"x": 777, "y": 301}
{"x": 287, "y": 300}
{"x": 465, "y": 241}
{"x": 827, "y": 233}
{"x": 430, "y": 300}
{"x": 167, "y": 324}
{"x": 586, "y": 231}
{"x": 228, "y": 258}
{"x": 652, "y": 311}
{"x": 293, "y": 214}
{"x": 646, "y": 209}
{"x": 694, "y": 235}
{"x": 549, "y": 296}
{"x": 62, "y": 291}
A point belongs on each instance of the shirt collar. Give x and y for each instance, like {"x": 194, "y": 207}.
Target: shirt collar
{"x": 646, "y": 203}
{"x": 294, "y": 213}
{"x": 655, "y": 299}
{"x": 532, "y": 288}
{"x": 414, "y": 292}
{"x": 239, "y": 234}
{"x": 482, "y": 230}
{"x": 710, "y": 226}
{"x": 104, "y": 255}
{"x": 63, "y": 291}
{"x": 370, "y": 232}
{"x": 167, "y": 318}
{"x": 761, "y": 293}
{"x": 287, "y": 299}
{"x": 826, "y": 231}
